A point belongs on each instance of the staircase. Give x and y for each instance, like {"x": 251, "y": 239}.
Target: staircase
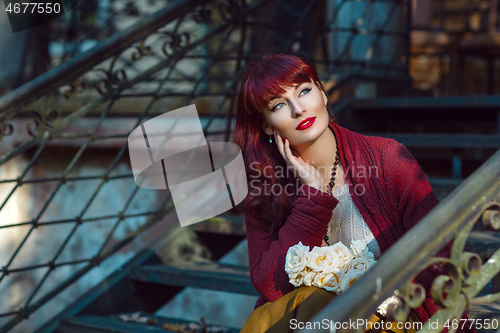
{"x": 450, "y": 137}
{"x": 147, "y": 281}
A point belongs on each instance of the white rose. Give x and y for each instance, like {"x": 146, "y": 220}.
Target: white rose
{"x": 309, "y": 276}
{"x": 296, "y": 278}
{"x": 329, "y": 281}
{"x": 349, "y": 278}
{"x": 360, "y": 250}
{"x": 295, "y": 260}
{"x": 361, "y": 264}
{"x": 382, "y": 308}
{"x": 343, "y": 253}
{"x": 323, "y": 259}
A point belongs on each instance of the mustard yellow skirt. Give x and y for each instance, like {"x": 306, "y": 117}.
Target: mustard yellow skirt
{"x": 294, "y": 311}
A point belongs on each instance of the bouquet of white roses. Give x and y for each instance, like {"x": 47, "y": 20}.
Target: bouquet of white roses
{"x": 334, "y": 267}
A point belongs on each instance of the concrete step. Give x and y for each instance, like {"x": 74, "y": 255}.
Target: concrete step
{"x": 113, "y": 324}
{"x": 444, "y": 140}
{"x": 212, "y": 276}
{"x": 478, "y": 103}
{"x": 220, "y": 234}
{"x": 227, "y": 224}
{"x": 486, "y": 315}
{"x": 443, "y": 186}
{"x": 484, "y": 243}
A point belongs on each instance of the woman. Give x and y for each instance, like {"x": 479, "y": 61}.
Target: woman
{"x": 314, "y": 182}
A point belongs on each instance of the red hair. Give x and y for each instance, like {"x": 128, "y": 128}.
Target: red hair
{"x": 264, "y": 78}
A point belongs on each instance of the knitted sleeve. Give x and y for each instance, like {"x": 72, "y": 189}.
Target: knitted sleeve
{"x": 307, "y": 223}
{"x": 415, "y": 198}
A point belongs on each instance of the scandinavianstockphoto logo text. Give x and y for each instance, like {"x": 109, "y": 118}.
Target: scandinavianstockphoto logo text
{"x": 264, "y": 188}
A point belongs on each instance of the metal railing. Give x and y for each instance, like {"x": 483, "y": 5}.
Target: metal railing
{"x": 192, "y": 50}
{"x": 476, "y": 200}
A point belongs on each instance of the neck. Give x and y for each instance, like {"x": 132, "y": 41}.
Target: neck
{"x": 320, "y": 153}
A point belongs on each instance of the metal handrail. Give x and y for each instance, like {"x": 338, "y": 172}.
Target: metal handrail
{"x": 453, "y": 217}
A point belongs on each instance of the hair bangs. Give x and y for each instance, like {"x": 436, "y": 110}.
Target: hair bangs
{"x": 272, "y": 78}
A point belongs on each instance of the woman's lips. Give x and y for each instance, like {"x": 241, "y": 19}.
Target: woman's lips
{"x": 306, "y": 123}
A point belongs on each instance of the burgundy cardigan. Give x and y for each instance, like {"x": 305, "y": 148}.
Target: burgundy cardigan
{"x": 390, "y": 204}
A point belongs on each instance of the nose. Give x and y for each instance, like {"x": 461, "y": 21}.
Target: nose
{"x": 297, "y": 109}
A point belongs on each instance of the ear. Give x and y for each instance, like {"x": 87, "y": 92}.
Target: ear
{"x": 325, "y": 96}
{"x": 266, "y": 127}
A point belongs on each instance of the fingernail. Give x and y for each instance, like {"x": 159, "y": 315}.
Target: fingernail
{"x": 272, "y": 128}
{"x": 286, "y": 140}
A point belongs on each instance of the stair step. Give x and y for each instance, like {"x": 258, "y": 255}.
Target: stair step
{"x": 484, "y": 311}
{"x": 113, "y": 324}
{"x": 220, "y": 234}
{"x": 443, "y": 186}
{"x": 484, "y": 243}
{"x": 444, "y": 140}
{"x": 426, "y": 103}
{"x": 212, "y": 276}
{"x": 227, "y": 224}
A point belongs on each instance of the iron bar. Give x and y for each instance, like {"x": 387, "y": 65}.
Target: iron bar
{"x": 27, "y": 268}
{"x": 328, "y": 29}
{"x": 83, "y": 220}
{"x": 82, "y": 63}
{"x": 66, "y": 179}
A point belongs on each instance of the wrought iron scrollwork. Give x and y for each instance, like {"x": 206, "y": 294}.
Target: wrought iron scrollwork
{"x": 202, "y": 15}
{"x": 40, "y": 121}
{"x": 175, "y": 42}
{"x": 131, "y": 9}
{"x": 142, "y": 50}
{"x": 412, "y": 295}
{"x": 228, "y": 9}
{"x": 113, "y": 77}
{"x": 6, "y": 129}
{"x": 75, "y": 87}
{"x": 491, "y": 217}
{"x": 35, "y": 125}
{"x": 466, "y": 276}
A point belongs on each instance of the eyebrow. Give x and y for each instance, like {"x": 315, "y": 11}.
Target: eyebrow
{"x": 275, "y": 97}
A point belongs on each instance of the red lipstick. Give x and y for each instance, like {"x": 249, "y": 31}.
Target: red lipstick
{"x": 306, "y": 123}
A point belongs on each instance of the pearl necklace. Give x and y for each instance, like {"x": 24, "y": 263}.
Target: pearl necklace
{"x": 331, "y": 184}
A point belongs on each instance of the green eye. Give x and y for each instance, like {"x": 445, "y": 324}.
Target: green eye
{"x": 305, "y": 91}
{"x": 278, "y": 106}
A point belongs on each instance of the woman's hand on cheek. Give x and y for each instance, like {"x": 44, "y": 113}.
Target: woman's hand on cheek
{"x": 306, "y": 173}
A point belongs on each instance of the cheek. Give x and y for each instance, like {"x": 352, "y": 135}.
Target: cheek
{"x": 318, "y": 99}
{"x": 279, "y": 120}
{"x": 270, "y": 120}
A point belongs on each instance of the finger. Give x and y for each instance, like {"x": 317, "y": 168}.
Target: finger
{"x": 283, "y": 153}
{"x": 281, "y": 146}
{"x": 289, "y": 155}
{"x": 278, "y": 141}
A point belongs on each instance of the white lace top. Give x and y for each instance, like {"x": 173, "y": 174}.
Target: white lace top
{"x": 347, "y": 223}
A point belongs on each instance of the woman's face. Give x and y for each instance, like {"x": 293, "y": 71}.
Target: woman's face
{"x": 299, "y": 114}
